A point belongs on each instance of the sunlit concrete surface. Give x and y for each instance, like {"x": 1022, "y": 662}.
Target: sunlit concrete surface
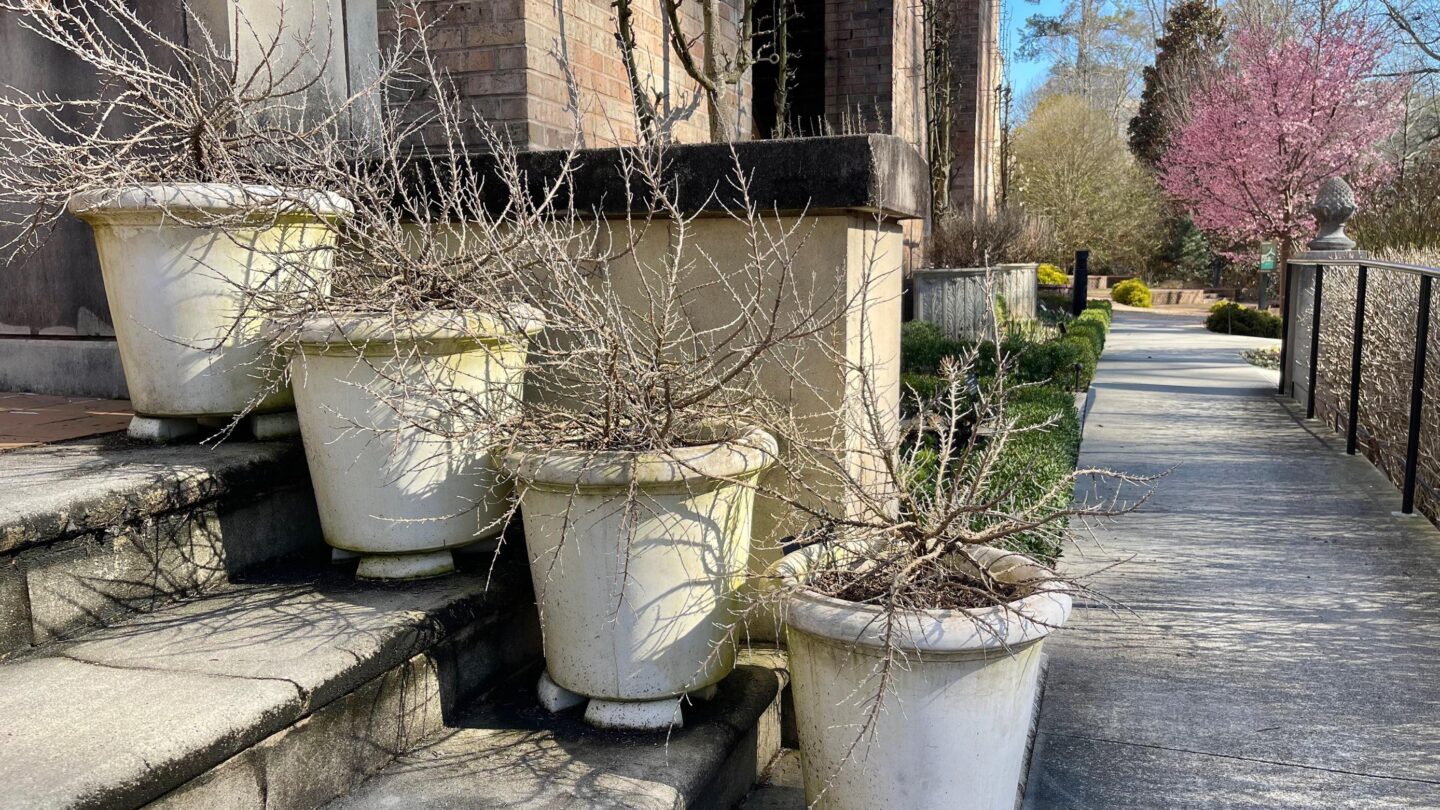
{"x": 1276, "y": 637}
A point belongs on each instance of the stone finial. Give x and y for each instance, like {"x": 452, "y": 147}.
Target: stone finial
{"x": 1334, "y": 205}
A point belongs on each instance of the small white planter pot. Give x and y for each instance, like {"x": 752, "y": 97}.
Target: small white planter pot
{"x": 177, "y": 260}
{"x": 637, "y": 560}
{"x": 957, "y": 714}
{"x": 397, "y": 494}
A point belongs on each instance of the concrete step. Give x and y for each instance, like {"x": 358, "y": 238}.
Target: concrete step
{"x": 506, "y": 752}
{"x": 780, "y": 787}
{"x": 96, "y": 530}
{"x": 266, "y": 695}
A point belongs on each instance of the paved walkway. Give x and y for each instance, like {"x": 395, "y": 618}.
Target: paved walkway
{"x": 30, "y": 419}
{"x": 1283, "y": 644}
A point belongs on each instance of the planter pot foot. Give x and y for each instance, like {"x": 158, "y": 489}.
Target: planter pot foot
{"x": 705, "y": 693}
{"x": 554, "y": 697}
{"x": 406, "y": 566}
{"x": 340, "y": 555}
{"x": 634, "y": 715}
{"x": 162, "y": 428}
{"x": 269, "y": 427}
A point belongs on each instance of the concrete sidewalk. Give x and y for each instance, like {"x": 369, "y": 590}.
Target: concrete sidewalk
{"x": 1280, "y": 643}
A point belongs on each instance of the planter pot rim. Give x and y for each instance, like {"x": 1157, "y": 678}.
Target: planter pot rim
{"x": 359, "y": 330}
{"x": 975, "y": 630}
{"x": 206, "y": 200}
{"x": 749, "y": 452}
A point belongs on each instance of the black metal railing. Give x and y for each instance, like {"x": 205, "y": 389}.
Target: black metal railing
{"x": 1422, "y": 334}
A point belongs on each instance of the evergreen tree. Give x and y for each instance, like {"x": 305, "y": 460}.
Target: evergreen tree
{"x": 1186, "y": 50}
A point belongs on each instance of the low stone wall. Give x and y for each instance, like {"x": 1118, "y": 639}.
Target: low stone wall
{"x": 962, "y": 301}
{"x": 1161, "y": 297}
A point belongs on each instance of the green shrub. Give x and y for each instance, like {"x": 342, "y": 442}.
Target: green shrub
{"x": 1033, "y": 462}
{"x": 1048, "y": 275}
{"x": 1090, "y": 330}
{"x": 1055, "y": 362}
{"x": 916, "y": 389}
{"x": 1230, "y": 318}
{"x": 923, "y": 345}
{"x": 1131, "y": 292}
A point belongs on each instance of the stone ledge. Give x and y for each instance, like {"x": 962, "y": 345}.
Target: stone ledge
{"x": 509, "y": 753}
{"x": 863, "y": 173}
{"x": 92, "y": 532}
{"x": 75, "y": 368}
{"x": 134, "y": 711}
{"x": 62, "y": 490}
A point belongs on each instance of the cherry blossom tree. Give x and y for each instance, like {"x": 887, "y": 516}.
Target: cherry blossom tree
{"x": 1288, "y": 111}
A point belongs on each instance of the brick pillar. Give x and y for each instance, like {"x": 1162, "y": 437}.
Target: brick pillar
{"x": 976, "y": 123}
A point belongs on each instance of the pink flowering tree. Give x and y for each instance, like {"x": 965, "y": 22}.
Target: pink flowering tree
{"x": 1290, "y": 110}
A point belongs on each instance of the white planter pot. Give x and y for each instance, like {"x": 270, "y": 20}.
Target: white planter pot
{"x": 174, "y": 279}
{"x": 957, "y": 714}
{"x": 635, "y": 602}
{"x": 388, "y": 489}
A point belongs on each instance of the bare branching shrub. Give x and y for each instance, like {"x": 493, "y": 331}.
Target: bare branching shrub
{"x": 928, "y": 514}
{"x": 168, "y": 113}
{"x": 980, "y": 237}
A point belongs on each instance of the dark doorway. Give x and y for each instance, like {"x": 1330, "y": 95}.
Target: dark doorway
{"x": 805, "y": 37}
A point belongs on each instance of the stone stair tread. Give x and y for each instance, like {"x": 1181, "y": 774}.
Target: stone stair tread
{"x": 131, "y": 711}
{"x": 505, "y": 751}
{"x": 57, "y": 490}
{"x": 94, "y": 532}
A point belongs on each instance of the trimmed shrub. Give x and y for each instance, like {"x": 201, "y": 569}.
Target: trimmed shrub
{"x": 924, "y": 386}
{"x": 1230, "y": 318}
{"x": 1055, "y": 362}
{"x": 1048, "y": 275}
{"x": 1088, "y": 329}
{"x": 1132, "y": 293}
{"x": 1033, "y": 462}
{"x": 923, "y": 345}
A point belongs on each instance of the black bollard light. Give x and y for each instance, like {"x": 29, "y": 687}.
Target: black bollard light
{"x": 1081, "y": 289}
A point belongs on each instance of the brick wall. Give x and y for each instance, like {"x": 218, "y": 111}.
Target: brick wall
{"x": 859, "y": 47}
{"x": 506, "y": 59}
{"x": 976, "y": 125}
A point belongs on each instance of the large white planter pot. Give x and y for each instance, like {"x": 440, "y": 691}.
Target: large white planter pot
{"x": 637, "y": 560}
{"x": 957, "y": 713}
{"x": 389, "y": 487}
{"x": 176, "y": 260}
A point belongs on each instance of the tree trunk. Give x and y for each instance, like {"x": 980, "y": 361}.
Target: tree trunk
{"x": 720, "y": 115}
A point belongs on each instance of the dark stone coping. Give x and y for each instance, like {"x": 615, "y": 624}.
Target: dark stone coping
{"x": 868, "y": 173}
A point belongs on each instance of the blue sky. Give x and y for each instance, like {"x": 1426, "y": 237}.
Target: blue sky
{"x": 1026, "y": 74}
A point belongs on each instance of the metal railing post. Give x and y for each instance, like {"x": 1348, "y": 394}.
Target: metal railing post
{"x": 1357, "y": 344}
{"x": 1417, "y": 398}
{"x": 1285, "y": 327}
{"x": 1315, "y": 340}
